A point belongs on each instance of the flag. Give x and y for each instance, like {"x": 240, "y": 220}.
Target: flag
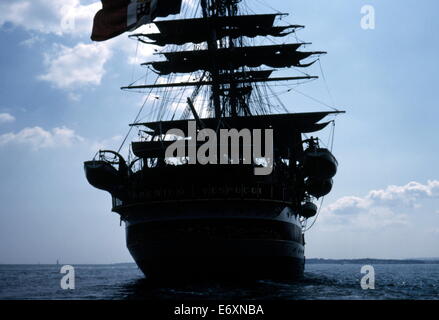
{"x": 119, "y": 16}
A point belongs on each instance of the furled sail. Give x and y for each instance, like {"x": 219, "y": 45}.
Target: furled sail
{"x": 118, "y": 16}
{"x": 197, "y": 30}
{"x": 282, "y": 124}
{"x": 247, "y": 75}
{"x": 284, "y": 127}
{"x": 276, "y": 56}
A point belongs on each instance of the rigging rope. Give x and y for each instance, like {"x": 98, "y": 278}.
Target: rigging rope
{"x": 317, "y": 216}
{"x": 323, "y": 198}
{"x": 135, "y": 120}
{"x": 326, "y": 83}
{"x": 333, "y": 135}
{"x": 314, "y": 99}
{"x": 135, "y": 61}
{"x": 268, "y": 6}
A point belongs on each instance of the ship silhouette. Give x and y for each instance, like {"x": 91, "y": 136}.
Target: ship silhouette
{"x": 187, "y": 220}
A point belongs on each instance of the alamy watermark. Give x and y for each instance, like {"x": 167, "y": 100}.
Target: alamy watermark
{"x": 368, "y": 17}
{"x": 224, "y": 146}
{"x": 368, "y": 281}
{"x": 68, "y": 280}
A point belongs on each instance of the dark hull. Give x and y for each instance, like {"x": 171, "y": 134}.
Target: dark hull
{"x": 230, "y": 260}
{"x": 248, "y": 242}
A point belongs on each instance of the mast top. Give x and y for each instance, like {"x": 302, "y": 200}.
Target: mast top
{"x": 230, "y": 61}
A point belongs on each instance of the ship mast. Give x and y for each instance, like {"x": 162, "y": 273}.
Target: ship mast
{"x": 232, "y": 9}
{"x": 212, "y": 47}
{"x": 232, "y": 66}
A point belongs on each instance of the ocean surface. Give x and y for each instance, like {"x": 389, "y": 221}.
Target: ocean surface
{"x": 125, "y": 281}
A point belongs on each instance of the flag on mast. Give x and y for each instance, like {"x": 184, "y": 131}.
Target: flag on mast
{"x": 119, "y": 16}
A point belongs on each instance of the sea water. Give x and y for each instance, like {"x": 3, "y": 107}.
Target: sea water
{"x": 125, "y": 281}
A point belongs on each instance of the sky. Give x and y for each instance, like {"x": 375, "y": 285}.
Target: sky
{"x": 60, "y": 102}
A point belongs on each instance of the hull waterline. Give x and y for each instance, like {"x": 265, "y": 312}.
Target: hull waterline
{"x": 239, "y": 242}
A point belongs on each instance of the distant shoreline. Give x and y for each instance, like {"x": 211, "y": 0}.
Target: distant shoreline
{"x": 365, "y": 261}
{"x": 372, "y": 261}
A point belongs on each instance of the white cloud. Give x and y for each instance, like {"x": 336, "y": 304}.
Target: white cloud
{"x": 144, "y": 52}
{"x": 111, "y": 143}
{"x": 54, "y": 16}
{"x": 75, "y": 97}
{"x": 78, "y": 66}
{"x": 68, "y": 67}
{"x": 379, "y": 208}
{"x": 49, "y": 16}
{"x": 406, "y": 195}
{"x": 66, "y": 17}
{"x": 71, "y": 67}
{"x": 32, "y": 41}
{"x": 6, "y": 117}
{"x": 38, "y": 138}
{"x": 82, "y": 64}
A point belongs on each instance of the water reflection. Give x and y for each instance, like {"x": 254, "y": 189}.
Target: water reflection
{"x": 214, "y": 290}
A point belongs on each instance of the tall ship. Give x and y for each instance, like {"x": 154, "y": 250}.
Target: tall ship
{"x": 222, "y": 179}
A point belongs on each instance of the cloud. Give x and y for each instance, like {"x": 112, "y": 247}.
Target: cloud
{"x": 75, "y": 97}
{"x": 38, "y": 138}
{"x": 84, "y": 64}
{"x": 144, "y": 52}
{"x": 407, "y": 196}
{"x": 6, "y": 117}
{"x": 75, "y": 67}
{"x": 379, "y": 208}
{"x": 49, "y": 16}
{"x": 105, "y": 144}
{"x": 32, "y": 41}
{"x": 70, "y": 67}
{"x": 66, "y": 17}
{"x": 54, "y": 16}
{"x": 67, "y": 67}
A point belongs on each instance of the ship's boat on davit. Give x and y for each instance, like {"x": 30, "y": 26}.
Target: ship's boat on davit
{"x": 102, "y": 173}
{"x": 320, "y": 162}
